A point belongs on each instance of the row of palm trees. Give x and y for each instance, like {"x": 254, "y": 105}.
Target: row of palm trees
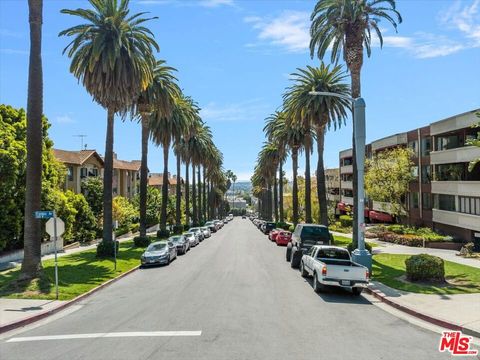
{"x": 343, "y": 28}
{"x": 113, "y": 55}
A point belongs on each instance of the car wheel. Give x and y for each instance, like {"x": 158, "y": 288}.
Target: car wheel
{"x": 289, "y": 253}
{"x": 317, "y": 287}
{"x": 302, "y": 270}
{"x": 357, "y": 291}
{"x": 295, "y": 261}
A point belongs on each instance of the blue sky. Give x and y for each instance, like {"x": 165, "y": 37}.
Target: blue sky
{"x": 234, "y": 58}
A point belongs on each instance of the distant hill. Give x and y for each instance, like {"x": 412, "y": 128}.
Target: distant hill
{"x": 242, "y": 185}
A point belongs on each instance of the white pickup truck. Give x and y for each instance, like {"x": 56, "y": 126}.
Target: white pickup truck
{"x": 332, "y": 265}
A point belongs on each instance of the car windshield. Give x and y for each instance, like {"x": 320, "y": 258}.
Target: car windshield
{"x": 314, "y": 233}
{"x": 333, "y": 254}
{"x": 175, "y": 239}
{"x": 194, "y": 229}
{"x": 156, "y": 247}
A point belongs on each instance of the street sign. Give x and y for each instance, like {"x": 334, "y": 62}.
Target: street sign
{"x": 45, "y": 214}
{"x": 50, "y": 227}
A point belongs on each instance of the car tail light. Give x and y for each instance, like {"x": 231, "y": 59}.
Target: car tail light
{"x": 368, "y": 274}
{"x": 324, "y": 271}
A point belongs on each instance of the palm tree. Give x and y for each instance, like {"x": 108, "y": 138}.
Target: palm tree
{"x": 267, "y": 161}
{"x": 318, "y": 113}
{"x": 346, "y": 26}
{"x": 31, "y": 264}
{"x": 112, "y": 55}
{"x": 164, "y": 131}
{"x": 159, "y": 96}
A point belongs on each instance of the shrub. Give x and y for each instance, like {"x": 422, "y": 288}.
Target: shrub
{"x": 122, "y": 230}
{"x": 345, "y": 220}
{"x": 350, "y": 247}
{"x": 424, "y": 267}
{"x": 124, "y": 211}
{"x": 291, "y": 228}
{"x": 85, "y": 225}
{"x": 282, "y": 225}
{"x": 134, "y": 227}
{"x": 141, "y": 241}
{"x": 92, "y": 189}
{"x": 107, "y": 248}
{"x": 163, "y": 233}
{"x": 177, "y": 229}
{"x": 154, "y": 203}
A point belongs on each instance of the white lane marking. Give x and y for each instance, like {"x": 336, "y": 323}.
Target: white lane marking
{"x": 107, "y": 335}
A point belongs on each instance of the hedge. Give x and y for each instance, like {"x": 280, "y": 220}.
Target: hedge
{"x": 424, "y": 267}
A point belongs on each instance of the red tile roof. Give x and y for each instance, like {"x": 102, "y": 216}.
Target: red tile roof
{"x": 75, "y": 157}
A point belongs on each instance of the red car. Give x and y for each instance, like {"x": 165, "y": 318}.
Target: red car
{"x": 272, "y": 235}
{"x": 283, "y": 238}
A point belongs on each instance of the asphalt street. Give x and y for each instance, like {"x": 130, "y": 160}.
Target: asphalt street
{"x": 237, "y": 290}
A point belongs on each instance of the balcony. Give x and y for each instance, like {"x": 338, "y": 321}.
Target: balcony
{"x": 346, "y": 153}
{"x": 465, "y": 188}
{"x": 457, "y": 155}
{"x": 333, "y": 198}
{"x": 348, "y": 169}
{"x": 346, "y": 184}
{"x": 390, "y": 141}
{"x": 347, "y": 200}
{"x": 466, "y": 221}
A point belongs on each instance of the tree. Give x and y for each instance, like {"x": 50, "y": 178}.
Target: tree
{"x": 345, "y": 26}
{"x": 388, "y": 176}
{"x": 318, "y": 113}
{"x": 31, "y": 264}
{"x": 112, "y": 55}
{"x": 154, "y": 204}
{"x": 474, "y": 142}
{"x": 92, "y": 189}
{"x": 158, "y": 96}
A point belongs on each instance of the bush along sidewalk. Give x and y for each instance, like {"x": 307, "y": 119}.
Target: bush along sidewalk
{"x": 78, "y": 273}
{"x": 406, "y": 235}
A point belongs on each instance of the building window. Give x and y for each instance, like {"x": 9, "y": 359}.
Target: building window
{"x": 447, "y": 142}
{"x": 413, "y": 145}
{"x": 426, "y": 201}
{"x": 93, "y": 172}
{"x": 450, "y": 172}
{"x": 426, "y": 146}
{"x": 444, "y": 202}
{"x": 347, "y": 192}
{"x": 347, "y": 177}
{"x": 70, "y": 173}
{"x": 469, "y": 205}
{"x": 83, "y": 172}
{"x": 414, "y": 200}
{"x": 415, "y": 171}
{"x": 347, "y": 161}
{"x": 426, "y": 174}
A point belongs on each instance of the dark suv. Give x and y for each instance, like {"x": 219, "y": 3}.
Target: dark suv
{"x": 269, "y": 226}
{"x": 303, "y": 238}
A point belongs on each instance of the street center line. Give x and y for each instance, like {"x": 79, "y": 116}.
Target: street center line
{"x": 107, "y": 335}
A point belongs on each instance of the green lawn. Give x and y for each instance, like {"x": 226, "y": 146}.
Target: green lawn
{"x": 462, "y": 279}
{"x": 77, "y": 273}
{"x": 343, "y": 241}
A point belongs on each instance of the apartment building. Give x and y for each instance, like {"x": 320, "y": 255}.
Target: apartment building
{"x": 444, "y": 195}
{"x": 126, "y": 177}
{"x": 332, "y": 183}
{"x": 156, "y": 180}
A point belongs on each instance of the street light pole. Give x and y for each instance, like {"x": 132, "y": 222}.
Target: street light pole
{"x": 360, "y": 254}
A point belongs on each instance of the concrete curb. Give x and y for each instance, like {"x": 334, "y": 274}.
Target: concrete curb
{"x": 34, "y": 318}
{"x": 439, "y": 322}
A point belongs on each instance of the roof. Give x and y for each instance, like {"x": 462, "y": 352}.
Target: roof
{"x": 76, "y": 157}
{"x": 133, "y": 165}
{"x": 155, "y": 180}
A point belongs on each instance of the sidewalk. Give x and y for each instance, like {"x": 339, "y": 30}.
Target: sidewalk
{"x": 13, "y": 310}
{"x": 460, "y": 310}
{"x": 390, "y": 248}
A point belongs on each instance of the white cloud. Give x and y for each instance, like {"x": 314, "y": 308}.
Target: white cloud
{"x": 290, "y": 30}
{"x": 64, "y": 119}
{"x": 215, "y": 3}
{"x": 203, "y": 3}
{"x": 465, "y": 19}
{"x": 242, "y": 111}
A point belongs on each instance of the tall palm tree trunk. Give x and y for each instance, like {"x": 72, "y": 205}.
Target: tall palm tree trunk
{"x": 187, "y": 193}
{"x": 200, "y": 215}
{"x": 275, "y": 197}
{"x": 280, "y": 192}
{"x": 108, "y": 179}
{"x": 178, "y": 199}
{"x": 194, "y": 198}
{"x": 308, "y": 187}
{"x": 321, "y": 189}
{"x": 31, "y": 264}
{"x": 205, "y": 199}
{"x": 144, "y": 177}
{"x": 163, "y": 212}
{"x": 270, "y": 202}
{"x": 295, "y": 186}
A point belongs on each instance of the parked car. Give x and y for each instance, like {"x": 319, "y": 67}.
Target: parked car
{"x": 198, "y": 232}
{"x": 225, "y": 221}
{"x": 333, "y": 266}
{"x": 283, "y": 238}
{"x": 211, "y": 225}
{"x": 218, "y": 223}
{"x": 269, "y": 226}
{"x": 244, "y": 216}
{"x": 272, "y": 235}
{"x": 303, "y": 238}
{"x": 192, "y": 239}
{"x": 159, "y": 252}
{"x": 206, "y": 231}
{"x": 182, "y": 244}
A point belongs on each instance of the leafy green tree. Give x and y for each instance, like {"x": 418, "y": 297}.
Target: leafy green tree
{"x": 112, "y": 55}
{"x": 92, "y": 190}
{"x": 124, "y": 211}
{"x": 154, "y": 204}
{"x": 31, "y": 264}
{"x": 13, "y": 152}
{"x": 85, "y": 225}
{"x": 388, "y": 176}
{"x": 474, "y": 142}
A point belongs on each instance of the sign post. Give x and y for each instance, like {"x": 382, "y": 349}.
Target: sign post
{"x": 115, "y": 226}
{"x": 55, "y": 227}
